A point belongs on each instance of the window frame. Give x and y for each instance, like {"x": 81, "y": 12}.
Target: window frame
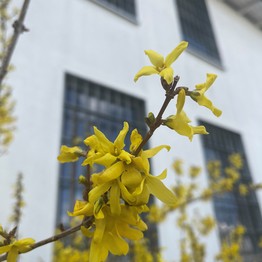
{"x": 218, "y": 137}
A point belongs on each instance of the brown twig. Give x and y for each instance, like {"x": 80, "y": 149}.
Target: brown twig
{"x": 170, "y": 93}
{"x": 86, "y": 223}
{"x": 18, "y": 29}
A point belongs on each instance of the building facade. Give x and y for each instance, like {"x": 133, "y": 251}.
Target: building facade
{"x": 75, "y": 69}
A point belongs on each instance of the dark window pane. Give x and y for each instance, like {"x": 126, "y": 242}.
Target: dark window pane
{"x": 232, "y": 209}
{"x": 197, "y": 29}
{"x": 125, "y": 6}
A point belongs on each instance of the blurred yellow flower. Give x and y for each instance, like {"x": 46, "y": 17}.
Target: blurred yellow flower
{"x": 177, "y": 166}
{"x": 236, "y": 160}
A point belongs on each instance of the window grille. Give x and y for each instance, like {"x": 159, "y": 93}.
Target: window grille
{"x": 197, "y": 29}
{"x": 231, "y": 208}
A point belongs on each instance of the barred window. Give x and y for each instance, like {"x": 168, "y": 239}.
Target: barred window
{"x": 197, "y": 29}
{"x": 232, "y": 208}
{"x": 126, "y": 8}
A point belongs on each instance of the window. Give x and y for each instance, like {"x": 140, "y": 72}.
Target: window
{"x": 197, "y": 29}
{"x": 125, "y": 8}
{"x": 232, "y": 208}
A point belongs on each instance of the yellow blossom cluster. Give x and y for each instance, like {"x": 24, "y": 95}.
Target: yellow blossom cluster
{"x": 119, "y": 192}
{"x": 180, "y": 121}
{"x": 231, "y": 247}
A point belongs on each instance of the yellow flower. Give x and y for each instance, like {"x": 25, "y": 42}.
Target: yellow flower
{"x": 232, "y": 173}
{"x": 126, "y": 175}
{"x": 149, "y": 185}
{"x": 82, "y": 208}
{"x": 239, "y": 231}
{"x": 243, "y": 190}
{"x": 112, "y": 230}
{"x": 214, "y": 168}
{"x": 229, "y": 253}
{"x": 177, "y": 166}
{"x": 194, "y": 171}
{"x": 206, "y": 194}
{"x": 199, "y": 94}
{"x": 162, "y": 66}
{"x": 179, "y": 122}
{"x": 104, "y": 152}
{"x": 16, "y": 247}
{"x": 236, "y": 160}
{"x": 206, "y": 225}
{"x": 70, "y": 154}
{"x": 156, "y": 214}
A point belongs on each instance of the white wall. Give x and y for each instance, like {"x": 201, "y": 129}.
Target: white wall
{"x": 82, "y": 38}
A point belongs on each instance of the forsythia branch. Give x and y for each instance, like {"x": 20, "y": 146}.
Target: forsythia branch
{"x": 18, "y": 29}
{"x": 170, "y": 93}
{"x": 86, "y": 223}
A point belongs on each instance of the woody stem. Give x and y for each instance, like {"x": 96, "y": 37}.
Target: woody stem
{"x": 170, "y": 94}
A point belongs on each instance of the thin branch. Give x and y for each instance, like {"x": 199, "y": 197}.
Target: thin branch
{"x": 170, "y": 93}
{"x": 86, "y": 223}
{"x": 18, "y": 29}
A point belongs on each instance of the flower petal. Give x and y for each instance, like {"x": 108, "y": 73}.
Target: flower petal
{"x": 107, "y": 145}
{"x": 114, "y": 199}
{"x": 125, "y": 157}
{"x": 162, "y": 175}
{"x": 111, "y": 172}
{"x": 116, "y": 244}
{"x": 167, "y": 74}
{"x": 128, "y": 232}
{"x": 180, "y": 125}
{"x": 204, "y": 101}
{"x": 209, "y": 81}
{"x": 12, "y": 254}
{"x": 99, "y": 231}
{"x": 82, "y": 208}
{"x": 153, "y": 151}
{"x": 171, "y": 57}
{"x": 145, "y": 71}
{"x": 106, "y": 160}
{"x": 141, "y": 163}
{"x": 69, "y": 154}
{"x": 199, "y": 130}
{"x": 98, "y": 191}
{"x": 158, "y": 189}
{"x": 180, "y": 100}
{"x": 126, "y": 195}
{"x": 120, "y": 140}
{"x": 98, "y": 253}
{"x": 156, "y": 59}
{"x": 135, "y": 140}
{"x": 86, "y": 232}
{"x": 131, "y": 177}
{"x": 4, "y": 249}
